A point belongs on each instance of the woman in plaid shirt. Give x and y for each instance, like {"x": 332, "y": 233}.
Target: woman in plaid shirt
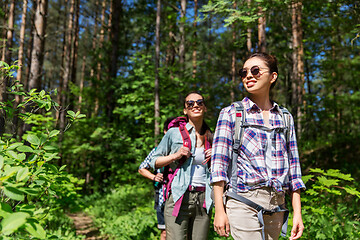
{"x": 267, "y": 165}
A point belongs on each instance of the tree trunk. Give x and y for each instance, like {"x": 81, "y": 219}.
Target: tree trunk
{"x": 93, "y": 83}
{"x": 21, "y": 46}
{"x": 61, "y": 80}
{"x": 74, "y": 50}
{"x": 20, "y": 63}
{"x": 8, "y": 48}
{"x": 67, "y": 65}
{"x": 4, "y": 31}
{"x": 37, "y": 54}
{"x": 261, "y": 31}
{"x": 81, "y": 84}
{"x": 157, "y": 65}
{"x": 99, "y": 60}
{"x": 115, "y": 16}
{"x": 249, "y": 33}
{"x": 182, "y": 37}
{"x": 233, "y": 60}
{"x": 298, "y": 64}
{"x": 194, "y": 55}
{"x": 170, "y": 49}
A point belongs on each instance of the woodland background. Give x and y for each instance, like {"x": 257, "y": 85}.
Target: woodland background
{"x": 86, "y": 86}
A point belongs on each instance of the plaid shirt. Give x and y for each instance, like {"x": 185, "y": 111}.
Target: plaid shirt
{"x": 251, "y": 162}
{"x": 146, "y": 164}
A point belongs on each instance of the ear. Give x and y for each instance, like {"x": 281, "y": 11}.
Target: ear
{"x": 274, "y": 76}
{"x": 185, "y": 111}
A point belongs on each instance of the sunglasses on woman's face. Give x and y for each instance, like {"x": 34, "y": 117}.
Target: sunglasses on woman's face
{"x": 255, "y": 71}
{"x": 191, "y": 103}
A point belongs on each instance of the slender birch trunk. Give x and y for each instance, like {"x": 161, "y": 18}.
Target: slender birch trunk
{"x": 157, "y": 80}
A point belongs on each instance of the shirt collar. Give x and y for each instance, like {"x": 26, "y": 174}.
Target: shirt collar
{"x": 189, "y": 127}
{"x": 250, "y": 105}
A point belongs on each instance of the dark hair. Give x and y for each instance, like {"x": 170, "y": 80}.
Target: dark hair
{"x": 270, "y": 61}
{"x": 205, "y": 129}
{"x": 166, "y": 123}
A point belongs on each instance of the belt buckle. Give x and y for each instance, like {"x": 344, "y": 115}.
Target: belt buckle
{"x": 192, "y": 188}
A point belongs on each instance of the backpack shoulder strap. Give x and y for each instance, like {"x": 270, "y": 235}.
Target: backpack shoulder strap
{"x": 185, "y": 136}
{"x": 286, "y": 120}
{"x": 240, "y": 116}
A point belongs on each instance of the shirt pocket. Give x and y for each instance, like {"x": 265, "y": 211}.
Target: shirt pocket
{"x": 251, "y": 144}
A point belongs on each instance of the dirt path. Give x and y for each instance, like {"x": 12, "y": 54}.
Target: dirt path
{"x": 84, "y": 226}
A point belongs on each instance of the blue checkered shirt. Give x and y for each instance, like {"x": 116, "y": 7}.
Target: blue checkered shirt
{"x": 146, "y": 164}
{"x": 251, "y": 164}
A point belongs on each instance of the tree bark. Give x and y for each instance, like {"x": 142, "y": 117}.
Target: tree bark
{"x": 81, "y": 84}
{"x": 74, "y": 50}
{"x": 182, "y": 37}
{"x": 261, "y": 31}
{"x": 157, "y": 80}
{"x": 99, "y": 60}
{"x": 37, "y": 54}
{"x": 67, "y": 65}
{"x": 4, "y": 31}
{"x": 233, "y": 60}
{"x": 249, "y": 33}
{"x": 298, "y": 78}
{"x": 8, "y": 48}
{"x": 18, "y": 98}
{"x": 194, "y": 55}
{"x": 93, "y": 83}
{"x": 21, "y": 46}
{"x": 115, "y": 17}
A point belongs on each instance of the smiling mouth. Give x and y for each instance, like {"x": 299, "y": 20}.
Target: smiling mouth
{"x": 250, "y": 83}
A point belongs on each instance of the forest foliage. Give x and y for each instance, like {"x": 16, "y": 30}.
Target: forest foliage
{"x": 79, "y": 102}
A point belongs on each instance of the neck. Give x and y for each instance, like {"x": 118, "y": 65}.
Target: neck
{"x": 262, "y": 101}
{"x": 197, "y": 123}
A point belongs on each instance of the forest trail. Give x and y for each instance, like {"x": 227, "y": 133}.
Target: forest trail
{"x": 84, "y": 225}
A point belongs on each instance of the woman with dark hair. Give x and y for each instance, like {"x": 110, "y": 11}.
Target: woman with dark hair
{"x": 188, "y": 208}
{"x": 266, "y": 160}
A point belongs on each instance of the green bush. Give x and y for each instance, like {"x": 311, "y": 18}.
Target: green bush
{"x": 330, "y": 206}
{"x": 126, "y": 213}
{"x": 33, "y": 188}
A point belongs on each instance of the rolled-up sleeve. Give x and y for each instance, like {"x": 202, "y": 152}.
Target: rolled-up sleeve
{"x": 222, "y": 147}
{"x": 163, "y": 149}
{"x": 295, "y": 181}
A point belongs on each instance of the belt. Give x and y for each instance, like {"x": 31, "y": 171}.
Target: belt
{"x": 178, "y": 202}
{"x": 196, "y": 189}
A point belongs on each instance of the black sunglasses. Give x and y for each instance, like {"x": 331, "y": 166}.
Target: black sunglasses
{"x": 191, "y": 103}
{"x": 255, "y": 71}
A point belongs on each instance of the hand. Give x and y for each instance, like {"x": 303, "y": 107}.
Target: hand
{"x": 298, "y": 228}
{"x": 158, "y": 177}
{"x": 184, "y": 151}
{"x": 221, "y": 224}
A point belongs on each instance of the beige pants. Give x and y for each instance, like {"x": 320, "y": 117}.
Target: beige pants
{"x": 192, "y": 223}
{"x": 244, "y": 223}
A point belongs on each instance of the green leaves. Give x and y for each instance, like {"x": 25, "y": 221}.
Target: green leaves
{"x": 33, "y": 139}
{"x": 13, "y": 221}
{"x": 35, "y": 229}
{"x": 14, "y": 193}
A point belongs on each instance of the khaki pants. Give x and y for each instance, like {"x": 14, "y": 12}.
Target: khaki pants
{"x": 192, "y": 222}
{"x": 244, "y": 223}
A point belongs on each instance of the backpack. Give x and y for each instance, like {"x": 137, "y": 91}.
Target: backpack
{"x": 169, "y": 173}
{"x": 240, "y": 125}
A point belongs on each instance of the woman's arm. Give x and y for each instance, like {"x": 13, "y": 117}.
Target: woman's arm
{"x": 149, "y": 175}
{"x": 221, "y": 221}
{"x": 298, "y": 225}
{"x": 166, "y": 160}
